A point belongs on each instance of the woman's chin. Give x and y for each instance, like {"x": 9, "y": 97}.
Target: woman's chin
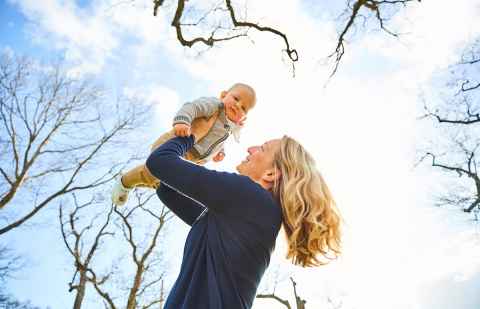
{"x": 240, "y": 167}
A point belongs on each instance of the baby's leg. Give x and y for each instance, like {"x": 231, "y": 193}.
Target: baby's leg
{"x": 139, "y": 176}
{"x": 136, "y": 177}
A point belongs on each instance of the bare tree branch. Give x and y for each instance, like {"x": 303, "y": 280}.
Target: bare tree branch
{"x": 374, "y": 9}
{"x": 97, "y": 284}
{"x": 459, "y": 114}
{"x": 465, "y": 89}
{"x": 141, "y": 260}
{"x": 299, "y": 302}
{"x": 10, "y": 263}
{"x": 81, "y": 262}
{"x": 468, "y": 116}
{"x": 55, "y": 131}
{"x": 470, "y": 171}
{"x": 273, "y": 296}
{"x": 377, "y": 8}
{"x": 210, "y": 40}
{"x": 143, "y": 289}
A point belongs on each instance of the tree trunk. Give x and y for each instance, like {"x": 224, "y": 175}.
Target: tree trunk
{"x": 80, "y": 291}
{"x": 132, "y": 298}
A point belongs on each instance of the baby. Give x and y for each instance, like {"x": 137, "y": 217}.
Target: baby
{"x": 230, "y": 111}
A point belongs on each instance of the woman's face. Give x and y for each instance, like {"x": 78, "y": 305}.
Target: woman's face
{"x": 259, "y": 160}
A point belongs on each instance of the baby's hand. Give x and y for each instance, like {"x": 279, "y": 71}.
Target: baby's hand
{"x": 242, "y": 122}
{"x": 181, "y": 129}
{"x": 219, "y": 156}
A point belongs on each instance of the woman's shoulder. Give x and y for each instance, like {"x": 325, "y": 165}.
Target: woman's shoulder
{"x": 256, "y": 194}
{"x": 242, "y": 190}
{"x": 245, "y": 201}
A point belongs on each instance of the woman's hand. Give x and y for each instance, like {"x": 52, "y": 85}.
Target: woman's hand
{"x": 201, "y": 126}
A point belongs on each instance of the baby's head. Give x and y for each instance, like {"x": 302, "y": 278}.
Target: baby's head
{"x": 238, "y": 101}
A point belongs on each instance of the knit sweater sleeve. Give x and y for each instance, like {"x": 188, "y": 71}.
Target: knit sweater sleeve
{"x": 202, "y": 107}
{"x": 183, "y": 207}
{"x": 205, "y": 187}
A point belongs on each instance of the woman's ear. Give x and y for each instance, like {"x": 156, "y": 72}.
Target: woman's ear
{"x": 223, "y": 94}
{"x": 271, "y": 175}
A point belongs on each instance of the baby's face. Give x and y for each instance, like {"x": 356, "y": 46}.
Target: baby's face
{"x": 238, "y": 102}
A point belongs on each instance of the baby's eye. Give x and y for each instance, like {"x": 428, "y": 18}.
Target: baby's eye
{"x": 236, "y": 98}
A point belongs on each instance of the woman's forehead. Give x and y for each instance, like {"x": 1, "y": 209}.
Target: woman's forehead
{"x": 273, "y": 143}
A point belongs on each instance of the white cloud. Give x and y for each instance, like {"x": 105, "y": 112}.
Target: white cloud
{"x": 64, "y": 25}
{"x": 91, "y": 35}
{"x": 8, "y": 51}
{"x": 434, "y": 34}
{"x": 165, "y": 102}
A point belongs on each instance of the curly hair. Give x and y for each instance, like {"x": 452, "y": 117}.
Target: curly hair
{"x": 311, "y": 220}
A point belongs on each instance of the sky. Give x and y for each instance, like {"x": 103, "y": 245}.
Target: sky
{"x": 399, "y": 250}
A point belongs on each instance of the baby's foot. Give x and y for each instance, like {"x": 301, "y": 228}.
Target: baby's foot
{"x": 119, "y": 192}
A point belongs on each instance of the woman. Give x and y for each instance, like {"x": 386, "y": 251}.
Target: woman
{"x": 235, "y": 219}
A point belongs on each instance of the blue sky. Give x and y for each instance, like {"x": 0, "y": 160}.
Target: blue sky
{"x": 361, "y": 129}
{"x": 12, "y": 28}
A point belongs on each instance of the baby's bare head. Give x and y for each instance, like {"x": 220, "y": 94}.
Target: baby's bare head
{"x": 238, "y": 101}
{"x": 248, "y": 91}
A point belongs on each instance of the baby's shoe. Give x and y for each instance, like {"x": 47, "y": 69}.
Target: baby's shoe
{"x": 119, "y": 192}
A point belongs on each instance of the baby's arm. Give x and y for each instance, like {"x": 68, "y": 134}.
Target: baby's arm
{"x": 203, "y": 107}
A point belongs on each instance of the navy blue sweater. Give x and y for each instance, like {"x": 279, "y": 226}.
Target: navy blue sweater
{"x": 234, "y": 224}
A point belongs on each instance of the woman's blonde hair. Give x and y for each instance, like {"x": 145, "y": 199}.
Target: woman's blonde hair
{"x": 310, "y": 217}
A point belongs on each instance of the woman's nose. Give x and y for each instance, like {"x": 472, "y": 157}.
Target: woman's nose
{"x": 252, "y": 149}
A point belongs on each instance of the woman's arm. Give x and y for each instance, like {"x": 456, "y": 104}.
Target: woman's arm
{"x": 206, "y": 187}
{"x": 185, "y": 208}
